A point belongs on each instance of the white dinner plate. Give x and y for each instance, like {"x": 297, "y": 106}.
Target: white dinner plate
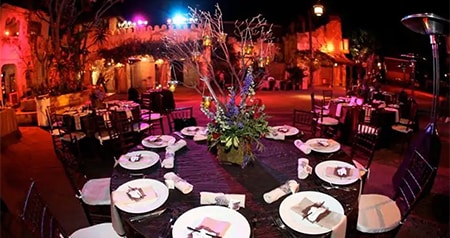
{"x": 323, "y": 145}
{"x": 160, "y": 142}
{"x": 192, "y": 130}
{"x": 239, "y": 226}
{"x": 320, "y": 171}
{"x": 162, "y": 193}
{"x": 286, "y": 130}
{"x": 147, "y": 159}
{"x": 296, "y": 221}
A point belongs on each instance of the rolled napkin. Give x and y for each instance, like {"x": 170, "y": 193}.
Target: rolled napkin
{"x": 290, "y": 186}
{"x": 340, "y": 172}
{"x": 77, "y": 122}
{"x": 210, "y": 227}
{"x": 128, "y": 113}
{"x": 168, "y": 161}
{"x": 178, "y": 182}
{"x": 302, "y": 146}
{"x": 176, "y": 146}
{"x": 233, "y": 201}
{"x": 316, "y": 213}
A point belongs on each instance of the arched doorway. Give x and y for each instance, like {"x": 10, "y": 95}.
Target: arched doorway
{"x": 8, "y": 81}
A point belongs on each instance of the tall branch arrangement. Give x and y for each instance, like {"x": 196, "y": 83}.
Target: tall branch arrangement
{"x": 211, "y": 49}
{"x": 236, "y": 119}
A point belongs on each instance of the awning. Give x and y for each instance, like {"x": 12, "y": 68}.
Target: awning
{"x": 341, "y": 59}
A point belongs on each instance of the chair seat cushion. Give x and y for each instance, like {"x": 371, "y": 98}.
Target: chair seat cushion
{"x": 97, "y": 192}
{"x": 153, "y": 116}
{"x": 102, "y": 230}
{"x": 402, "y": 128}
{"x": 377, "y": 213}
{"x": 328, "y": 121}
{"x": 76, "y": 135}
{"x": 141, "y": 126}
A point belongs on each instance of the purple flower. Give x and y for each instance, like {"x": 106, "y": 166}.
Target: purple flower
{"x": 248, "y": 81}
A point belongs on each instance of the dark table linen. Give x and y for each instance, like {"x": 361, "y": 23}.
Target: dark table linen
{"x": 274, "y": 166}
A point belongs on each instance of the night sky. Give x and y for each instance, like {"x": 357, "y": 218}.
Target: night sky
{"x": 382, "y": 18}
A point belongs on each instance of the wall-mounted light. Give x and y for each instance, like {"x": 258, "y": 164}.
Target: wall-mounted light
{"x": 172, "y": 85}
{"x": 318, "y": 9}
{"x": 345, "y": 48}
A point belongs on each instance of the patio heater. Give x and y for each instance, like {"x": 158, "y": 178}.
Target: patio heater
{"x": 428, "y": 143}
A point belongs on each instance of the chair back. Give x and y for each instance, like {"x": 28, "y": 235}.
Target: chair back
{"x": 76, "y": 173}
{"x": 365, "y": 140}
{"x": 127, "y": 135}
{"x": 181, "y": 117}
{"x": 327, "y": 95}
{"x": 303, "y": 120}
{"x": 414, "y": 183}
{"x": 38, "y": 218}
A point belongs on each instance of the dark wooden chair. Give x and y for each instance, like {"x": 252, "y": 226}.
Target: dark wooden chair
{"x": 181, "y": 117}
{"x": 93, "y": 194}
{"x": 327, "y": 125}
{"x": 379, "y": 213}
{"x": 303, "y": 120}
{"x": 37, "y": 217}
{"x": 41, "y": 223}
{"x": 148, "y": 113}
{"x": 364, "y": 143}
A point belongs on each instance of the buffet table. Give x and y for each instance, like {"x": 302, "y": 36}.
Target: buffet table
{"x": 273, "y": 167}
{"x": 9, "y": 130}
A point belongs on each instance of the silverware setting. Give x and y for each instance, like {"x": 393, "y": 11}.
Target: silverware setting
{"x": 140, "y": 218}
{"x": 203, "y": 232}
{"x": 282, "y": 227}
{"x": 332, "y": 186}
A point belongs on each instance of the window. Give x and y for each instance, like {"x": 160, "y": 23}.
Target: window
{"x": 34, "y": 28}
{"x": 12, "y": 27}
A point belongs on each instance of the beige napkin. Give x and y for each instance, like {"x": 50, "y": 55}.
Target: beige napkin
{"x": 290, "y": 186}
{"x": 316, "y": 213}
{"x": 222, "y": 199}
{"x": 275, "y": 135}
{"x": 341, "y": 172}
{"x": 128, "y": 159}
{"x": 200, "y": 137}
{"x": 77, "y": 122}
{"x": 128, "y": 113}
{"x": 169, "y": 158}
{"x": 211, "y": 225}
{"x": 121, "y": 197}
{"x": 177, "y": 182}
{"x": 306, "y": 149}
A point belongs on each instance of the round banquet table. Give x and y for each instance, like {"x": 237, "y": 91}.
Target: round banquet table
{"x": 273, "y": 167}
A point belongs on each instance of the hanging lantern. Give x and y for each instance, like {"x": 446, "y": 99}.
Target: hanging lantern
{"x": 222, "y": 37}
{"x": 207, "y": 101}
{"x": 207, "y": 41}
{"x": 172, "y": 86}
{"x": 248, "y": 49}
{"x": 195, "y": 56}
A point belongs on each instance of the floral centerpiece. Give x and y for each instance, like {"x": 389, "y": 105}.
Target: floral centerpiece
{"x": 238, "y": 121}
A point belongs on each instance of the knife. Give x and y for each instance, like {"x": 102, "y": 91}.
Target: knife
{"x": 139, "y": 218}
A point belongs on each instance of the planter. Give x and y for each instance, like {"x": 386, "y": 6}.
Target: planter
{"x": 241, "y": 155}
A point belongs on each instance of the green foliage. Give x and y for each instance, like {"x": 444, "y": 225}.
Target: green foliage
{"x": 132, "y": 48}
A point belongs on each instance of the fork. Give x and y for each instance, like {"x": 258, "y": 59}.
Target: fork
{"x": 283, "y": 228}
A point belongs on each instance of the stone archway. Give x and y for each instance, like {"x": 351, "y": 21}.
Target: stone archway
{"x": 8, "y": 81}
